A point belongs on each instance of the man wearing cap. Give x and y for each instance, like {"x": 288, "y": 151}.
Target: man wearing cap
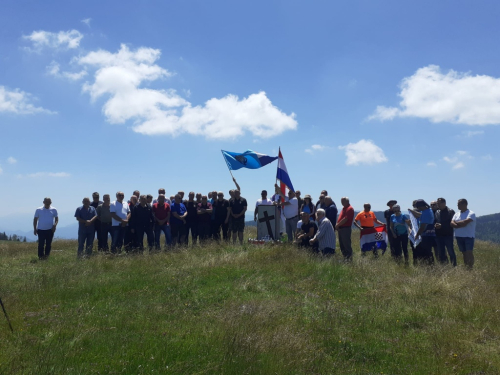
{"x": 425, "y": 218}
{"x": 444, "y": 232}
{"x": 344, "y": 227}
{"x": 290, "y": 209}
{"x": 387, "y": 215}
{"x": 464, "y": 223}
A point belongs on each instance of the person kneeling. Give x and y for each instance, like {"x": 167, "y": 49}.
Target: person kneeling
{"x": 307, "y": 231}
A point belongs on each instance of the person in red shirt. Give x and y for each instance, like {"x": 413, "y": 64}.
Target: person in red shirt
{"x": 161, "y": 213}
{"x": 344, "y": 227}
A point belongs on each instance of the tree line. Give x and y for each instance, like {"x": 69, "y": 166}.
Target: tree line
{"x": 12, "y": 237}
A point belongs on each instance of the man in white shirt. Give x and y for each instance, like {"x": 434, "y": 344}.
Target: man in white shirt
{"x": 464, "y": 223}
{"x": 263, "y": 201}
{"x": 44, "y": 226}
{"x": 290, "y": 209}
{"x": 120, "y": 215}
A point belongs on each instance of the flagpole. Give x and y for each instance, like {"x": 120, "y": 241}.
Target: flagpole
{"x": 231, "y": 173}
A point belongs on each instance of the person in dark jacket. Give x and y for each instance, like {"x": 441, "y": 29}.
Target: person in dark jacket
{"x": 444, "y": 232}
{"x": 142, "y": 219}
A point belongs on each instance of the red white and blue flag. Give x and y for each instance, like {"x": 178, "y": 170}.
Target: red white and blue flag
{"x": 373, "y": 238}
{"x": 282, "y": 175}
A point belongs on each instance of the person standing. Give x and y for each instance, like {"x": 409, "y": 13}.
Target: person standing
{"x": 142, "y": 215}
{"x": 387, "y": 216}
{"x": 160, "y": 192}
{"x": 464, "y": 223}
{"x": 191, "y": 218}
{"x": 290, "y": 209}
{"x": 366, "y": 218}
{"x": 44, "y": 226}
{"x": 299, "y": 200}
{"x": 399, "y": 232}
{"x": 213, "y": 223}
{"x": 344, "y": 228}
{"x": 237, "y": 208}
{"x": 161, "y": 215}
{"x": 97, "y": 223}
{"x": 120, "y": 215}
{"x": 263, "y": 201}
{"x": 204, "y": 214}
{"x": 331, "y": 210}
{"x": 86, "y": 215}
{"x": 130, "y": 240}
{"x": 444, "y": 232}
{"x": 325, "y": 234}
{"x": 425, "y": 217}
{"x": 321, "y": 202}
{"x": 178, "y": 221}
{"x": 104, "y": 217}
{"x": 221, "y": 206}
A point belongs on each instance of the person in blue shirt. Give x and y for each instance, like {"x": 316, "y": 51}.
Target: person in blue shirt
{"x": 86, "y": 215}
{"x": 425, "y": 216}
{"x": 178, "y": 214}
{"x": 399, "y": 224}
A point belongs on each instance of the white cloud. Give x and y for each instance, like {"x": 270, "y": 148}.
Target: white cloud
{"x": 472, "y": 133}
{"x": 54, "y": 69}
{"x": 487, "y": 157}
{"x": 363, "y": 152}
{"x": 315, "y": 148}
{"x": 1, "y": 170}
{"x": 120, "y": 76}
{"x": 63, "y": 39}
{"x": 11, "y": 160}
{"x": 44, "y": 174}
{"x": 458, "y": 159}
{"x": 86, "y": 21}
{"x": 18, "y": 102}
{"x": 452, "y": 97}
{"x": 431, "y": 164}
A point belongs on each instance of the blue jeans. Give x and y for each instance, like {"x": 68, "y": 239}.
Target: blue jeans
{"x": 85, "y": 236}
{"x": 400, "y": 246}
{"x": 465, "y": 243}
{"x": 117, "y": 237}
{"x": 445, "y": 243}
{"x": 168, "y": 235}
{"x": 291, "y": 227}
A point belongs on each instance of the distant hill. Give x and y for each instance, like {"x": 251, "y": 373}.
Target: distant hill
{"x": 488, "y": 228}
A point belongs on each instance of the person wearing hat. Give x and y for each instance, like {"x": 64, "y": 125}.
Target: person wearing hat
{"x": 308, "y": 207}
{"x": 387, "y": 215}
{"x": 426, "y": 231}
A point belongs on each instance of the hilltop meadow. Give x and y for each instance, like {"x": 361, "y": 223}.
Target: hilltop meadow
{"x": 224, "y": 309}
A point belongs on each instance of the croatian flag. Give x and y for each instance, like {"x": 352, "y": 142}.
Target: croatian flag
{"x": 282, "y": 175}
{"x": 248, "y": 159}
{"x": 373, "y": 238}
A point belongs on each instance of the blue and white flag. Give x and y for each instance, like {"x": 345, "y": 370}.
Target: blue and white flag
{"x": 414, "y": 229}
{"x": 373, "y": 238}
{"x": 282, "y": 175}
{"x": 248, "y": 159}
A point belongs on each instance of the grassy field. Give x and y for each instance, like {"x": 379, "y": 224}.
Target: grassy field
{"x": 246, "y": 310}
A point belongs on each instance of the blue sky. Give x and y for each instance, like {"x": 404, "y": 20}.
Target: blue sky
{"x": 371, "y": 100}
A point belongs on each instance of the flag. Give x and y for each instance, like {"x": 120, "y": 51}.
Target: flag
{"x": 248, "y": 159}
{"x": 373, "y": 238}
{"x": 414, "y": 228}
{"x": 282, "y": 175}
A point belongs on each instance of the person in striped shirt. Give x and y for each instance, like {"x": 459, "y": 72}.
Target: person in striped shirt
{"x": 325, "y": 234}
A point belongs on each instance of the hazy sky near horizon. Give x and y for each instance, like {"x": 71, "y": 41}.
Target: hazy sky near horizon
{"x": 371, "y": 100}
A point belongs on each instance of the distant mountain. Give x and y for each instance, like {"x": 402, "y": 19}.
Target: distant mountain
{"x": 488, "y": 228}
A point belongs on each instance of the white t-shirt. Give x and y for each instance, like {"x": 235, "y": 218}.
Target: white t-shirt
{"x": 264, "y": 202}
{"x": 121, "y": 210}
{"x": 299, "y": 224}
{"x": 45, "y": 217}
{"x": 470, "y": 229}
{"x": 292, "y": 209}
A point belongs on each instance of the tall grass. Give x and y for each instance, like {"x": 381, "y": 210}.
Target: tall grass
{"x": 224, "y": 309}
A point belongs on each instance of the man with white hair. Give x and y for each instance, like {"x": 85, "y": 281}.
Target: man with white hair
{"x": 44, "y": 226}
{"x": 325, "y": 234}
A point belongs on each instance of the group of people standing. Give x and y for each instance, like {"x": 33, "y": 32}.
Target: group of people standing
{"x": 204, "y": 217}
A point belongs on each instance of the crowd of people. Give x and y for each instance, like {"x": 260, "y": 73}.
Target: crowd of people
{"x": 212, "y": 217}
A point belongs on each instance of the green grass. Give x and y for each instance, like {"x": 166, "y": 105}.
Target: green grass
{"x": 246, "y": 310}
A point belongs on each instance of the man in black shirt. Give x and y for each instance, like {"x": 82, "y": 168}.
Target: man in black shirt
{"x": 237, "y": 208}
{"x": 444, "y": 232}
{"x": 387, "y": 215}
{"x": 97, "y": 223}
{"x": 308, "y": 230}
{"x": 221, "y": 207}
{"x": 142, "y": 220}
{"x": 192, "y": 218}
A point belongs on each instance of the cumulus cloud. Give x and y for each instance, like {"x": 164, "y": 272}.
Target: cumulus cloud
{"x": 18, "y": 102}
{"x": 457, "y": 160}
{"x": 44, "y": 174}
{"x": 363, "y": 152}
{"x": 54, "y": 70}
{"x": 62, "y": 39}
{"x": 11, "y": 160}
{"x": 472, "y": 133}
{"x": 120, "y": 76}
{"x": 446, "y": 97}
{"x": 86, "y": 21}
{"x": 314, "y": 148}
{"x": 487, "y": 157}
